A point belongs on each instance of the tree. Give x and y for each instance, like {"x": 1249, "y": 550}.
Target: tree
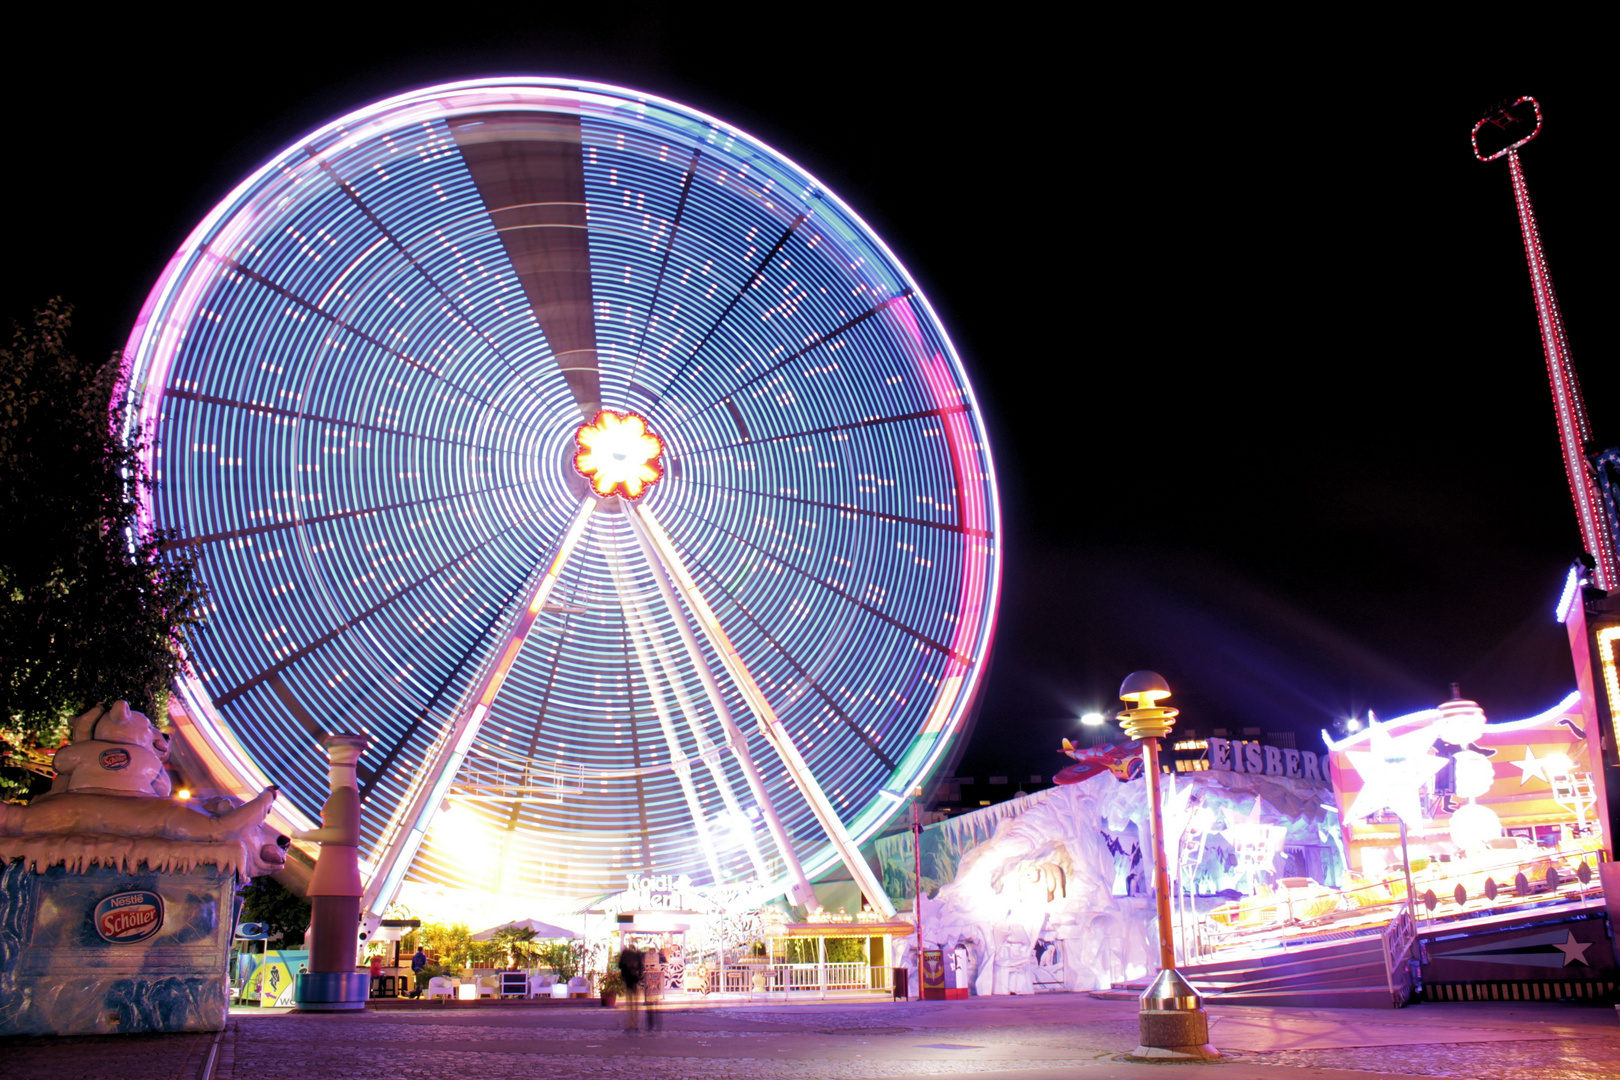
{"x": 93, "y": 606}
{"x": 451, "y": 944}
{"x": 515, "y": 945}
{"x": 284, "y": 915}
{"x": 563, "y": 957}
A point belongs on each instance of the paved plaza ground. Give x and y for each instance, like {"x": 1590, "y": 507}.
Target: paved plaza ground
{"x": 1051, "y": 1037}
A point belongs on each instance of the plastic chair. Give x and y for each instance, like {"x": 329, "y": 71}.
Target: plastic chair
{"x": 439, "y": 986}
{"x": 579, "y": 986}
{"x": 540, "y": 985}
{"x": 489, "y": 986}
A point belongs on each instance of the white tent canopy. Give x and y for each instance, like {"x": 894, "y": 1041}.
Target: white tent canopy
{"x": 541, "y": 930}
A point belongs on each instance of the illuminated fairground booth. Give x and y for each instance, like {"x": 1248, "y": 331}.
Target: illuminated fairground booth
{"x": 1449, "y": 855}
{"x": 1440, "y": 853}
{"x": 599, "y": 465}
{"x": 1480, "y": 813}
{"x": 712, "y": 941}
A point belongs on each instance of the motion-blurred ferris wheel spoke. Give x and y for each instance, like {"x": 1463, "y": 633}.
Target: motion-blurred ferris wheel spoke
{"x": 820, "y": 341}
{"x": 235, "y": 269}
{"x": 651, "y": 657}
{"x": 440, "y": 770}
{"x": 637, "y": 348}
{"x": 799, "y": 888}
{"x": 661, "y": 549}
{"x": 357, "y": 620}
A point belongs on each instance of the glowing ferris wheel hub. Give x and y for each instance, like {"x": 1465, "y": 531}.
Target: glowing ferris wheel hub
{"x": 619, "y": 454}
{"x": 764, "y": 624}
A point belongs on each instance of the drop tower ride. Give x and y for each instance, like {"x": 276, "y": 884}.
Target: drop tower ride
{"x": 1501, "y": 133}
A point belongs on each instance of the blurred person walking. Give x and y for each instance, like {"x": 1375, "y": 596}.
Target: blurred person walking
{"x": 652, "y": 981}
{"x": 630, "y": 971}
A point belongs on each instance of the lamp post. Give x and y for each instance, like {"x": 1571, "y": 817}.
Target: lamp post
{"x": 1171, "y": 1016}
{"x": 916, "y": 904}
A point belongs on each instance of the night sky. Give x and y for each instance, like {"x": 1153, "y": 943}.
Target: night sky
{"x": 1254, "y": 337}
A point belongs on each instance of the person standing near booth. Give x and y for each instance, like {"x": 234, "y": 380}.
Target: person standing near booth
{"x": 652, "y": 981}
{"x": 418, "y": 962}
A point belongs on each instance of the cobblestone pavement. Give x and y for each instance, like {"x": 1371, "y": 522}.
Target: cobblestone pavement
{"x": 104, "y": 1057}
{"x": 1052, "y": 1037}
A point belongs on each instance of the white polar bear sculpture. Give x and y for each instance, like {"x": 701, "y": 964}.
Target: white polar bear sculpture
{"x": 120, "y": 753}
{"x": 109, "y": 805}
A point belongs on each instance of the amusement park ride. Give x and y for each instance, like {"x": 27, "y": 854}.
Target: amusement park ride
{"x": 547, "y": 432}
{"x": 1588, "y": 608}
{"x": 1480, "y": 856}
{"x": 619, "y": 486}
{"x": 1503, "y": 133}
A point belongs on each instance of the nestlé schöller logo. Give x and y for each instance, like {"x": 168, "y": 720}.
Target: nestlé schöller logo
{"x": 129, "y": 916}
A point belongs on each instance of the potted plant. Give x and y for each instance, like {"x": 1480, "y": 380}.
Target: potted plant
{"x": 611, "y": 986}
{"x": 759, "y": 960}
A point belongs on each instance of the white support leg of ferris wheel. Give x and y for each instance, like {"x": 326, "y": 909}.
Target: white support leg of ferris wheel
{"x": 450, "y": 751}
{"x": 769, "y": 724}
{"x": 635, "y": 624}
{"x": 708, "y": 753}
{"x": 799, "y": 889}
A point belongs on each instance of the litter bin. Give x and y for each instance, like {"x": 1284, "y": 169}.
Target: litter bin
{"x": 902, "y": 985}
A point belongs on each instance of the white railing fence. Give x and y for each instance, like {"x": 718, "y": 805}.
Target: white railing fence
{"x": 790, "y": 979}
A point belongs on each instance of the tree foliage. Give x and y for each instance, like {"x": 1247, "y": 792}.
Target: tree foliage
{"x": 284, "y": 915}
{"x": 450, "y": 944}
{"x": 566, "y": 958}
{"x": 516, "y": 946}
{"x": 92, "y": 605}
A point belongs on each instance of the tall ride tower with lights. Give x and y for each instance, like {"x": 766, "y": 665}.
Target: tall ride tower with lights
{"x": 1592, "y": 619}
{"x": 1501, "y": 133}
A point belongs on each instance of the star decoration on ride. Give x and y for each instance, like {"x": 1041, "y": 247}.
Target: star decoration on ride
{"x": 1574, "y": 951}
{"x": 1531, "y": 768}
{"x": 1246, "y": 834}
{"x": 1393, "y": 769}
{"x": 618, "y": 454}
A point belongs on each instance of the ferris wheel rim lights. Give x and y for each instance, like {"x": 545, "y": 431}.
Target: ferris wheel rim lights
{"x": 179, "y": 306}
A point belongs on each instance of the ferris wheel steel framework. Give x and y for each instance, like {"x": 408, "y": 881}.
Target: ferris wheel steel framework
{"x": 902, "y": 332}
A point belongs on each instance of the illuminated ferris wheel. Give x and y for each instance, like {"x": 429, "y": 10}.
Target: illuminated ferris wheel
{"x": 599, "y": 464}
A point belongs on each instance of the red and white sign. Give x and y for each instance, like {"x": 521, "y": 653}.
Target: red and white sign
{"x": 129, "y": 916}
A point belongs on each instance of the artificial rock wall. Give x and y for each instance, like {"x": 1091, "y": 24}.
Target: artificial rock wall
{"x": 1051, "y": 891}
{"x": 59, "y": 976}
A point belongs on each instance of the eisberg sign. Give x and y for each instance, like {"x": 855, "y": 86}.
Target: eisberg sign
{"x": 1248, "y": 757}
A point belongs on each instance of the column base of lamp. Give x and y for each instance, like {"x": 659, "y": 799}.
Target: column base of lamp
{"x": 332, "y": 991}
{"x": 1179, "y": 1034}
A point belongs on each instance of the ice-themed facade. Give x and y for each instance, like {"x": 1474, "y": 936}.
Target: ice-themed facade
{"x": 117, "y": 901}
{"x": 1050, "y": 891}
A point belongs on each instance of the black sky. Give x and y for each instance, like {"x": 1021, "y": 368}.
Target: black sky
{"x": 1253, "y": 335}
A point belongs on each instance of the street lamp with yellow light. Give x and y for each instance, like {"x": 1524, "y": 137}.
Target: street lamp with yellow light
{"x": 1171, "y": 1017}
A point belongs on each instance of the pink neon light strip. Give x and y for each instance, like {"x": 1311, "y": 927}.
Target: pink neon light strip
{"x": 972, "y": 514}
